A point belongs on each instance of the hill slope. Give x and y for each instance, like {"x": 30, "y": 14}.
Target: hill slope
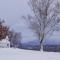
{"x": 19, "y": 54}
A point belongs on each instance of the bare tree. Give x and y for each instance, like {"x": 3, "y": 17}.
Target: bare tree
{"x": 15, "y": 39}
{"x": 3, "y": 29}
{"x": 46, "y": 17}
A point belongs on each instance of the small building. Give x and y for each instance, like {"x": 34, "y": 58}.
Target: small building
{"x": 4, "y": 43}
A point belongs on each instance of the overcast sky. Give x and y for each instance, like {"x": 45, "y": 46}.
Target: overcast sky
{"x": 11, "y": 11}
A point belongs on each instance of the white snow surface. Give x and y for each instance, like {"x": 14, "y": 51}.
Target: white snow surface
{"x": 19, "y": 54}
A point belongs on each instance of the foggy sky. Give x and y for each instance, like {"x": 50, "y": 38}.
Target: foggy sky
{"x": 11, "y": 11}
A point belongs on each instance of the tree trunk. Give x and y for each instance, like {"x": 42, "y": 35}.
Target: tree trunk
{"x": 41, "y": 46}
{"x": 41, "y": 42}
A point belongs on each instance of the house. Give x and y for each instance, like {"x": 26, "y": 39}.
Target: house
{"x": 4, "y": 43}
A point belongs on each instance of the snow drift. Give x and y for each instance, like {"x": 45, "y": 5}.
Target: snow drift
{"x": 19, "y": 54}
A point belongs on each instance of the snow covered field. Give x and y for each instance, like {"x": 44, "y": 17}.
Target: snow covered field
{"x": 19, "y": 54}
